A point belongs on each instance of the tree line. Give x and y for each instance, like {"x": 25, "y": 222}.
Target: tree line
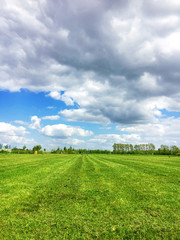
{"x": 64, "y": 150}
{"x": 6, "y": 146}
{"x": 72, "y": 150}
{"x": 120, "y": 148}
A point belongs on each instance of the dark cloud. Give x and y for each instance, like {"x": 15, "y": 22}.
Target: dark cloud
{"x": 111, "y": 57}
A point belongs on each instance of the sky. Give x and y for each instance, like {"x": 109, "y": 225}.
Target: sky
{"x": 89, "y": 74}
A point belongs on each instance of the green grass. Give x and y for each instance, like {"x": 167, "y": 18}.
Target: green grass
{"x": 89, "y": 197}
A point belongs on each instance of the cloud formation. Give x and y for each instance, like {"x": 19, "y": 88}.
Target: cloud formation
{"x": 12, "y": 135}
{"x": 35, "y": 122}
{"x": 165, "y": 130}
{"x": 55, "y": 117}
{"x": 112, "y": 58}
{"x": 63, "y": 97}
{"x": 64, "y": 131}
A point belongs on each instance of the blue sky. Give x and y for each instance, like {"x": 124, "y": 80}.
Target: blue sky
{"x": 89, "y": 73}
{"x": 24, "y": 104}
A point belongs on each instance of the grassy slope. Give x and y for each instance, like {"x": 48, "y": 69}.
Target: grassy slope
{"x": 89, "y": 197}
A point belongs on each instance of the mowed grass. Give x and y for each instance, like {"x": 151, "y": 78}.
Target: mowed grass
{"x": 89, "y": 197}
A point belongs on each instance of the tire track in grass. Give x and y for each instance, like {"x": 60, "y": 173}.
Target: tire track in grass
{"x": 147, "y": 159}
{"x": 67, "y": 203}
{"x": 94, "y": 211}
{"x": 142, "y": 198}
{"x": 156, "y": 183}
{"x": 130, "y": 170}
{"x": 56, "y": 203}
{"x": 88, "y": 214}
{"x": 121, "y": 207}
{"x": 36, "y": 216}
{"x": 108, "y": 211}
{"x": 157, "y": 170}
{"x": 89, "y": 197}
{"x": 29, "y": 175}
{"x": 27, "y": 203}
{"x": 26, "y": 164}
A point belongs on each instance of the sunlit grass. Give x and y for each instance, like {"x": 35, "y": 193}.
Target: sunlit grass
{"x": 89, "y": 197}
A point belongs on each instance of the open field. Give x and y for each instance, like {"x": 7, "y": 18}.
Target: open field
{"x": 89, "y": 197}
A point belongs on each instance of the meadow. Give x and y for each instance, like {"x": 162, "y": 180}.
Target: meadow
{"x": 61, "y": 196}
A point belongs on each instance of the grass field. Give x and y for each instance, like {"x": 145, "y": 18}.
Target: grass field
{"x": 89, "y": 197}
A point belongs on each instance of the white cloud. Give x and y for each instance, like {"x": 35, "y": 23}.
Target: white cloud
{"x": 64, "y": 97}
{"x": 21, "y": 122}
{"x": 56, "y": 95}
{"x": 64, "y": 131}
{"x": 12, "y": 135}
{"x": 105, "y": 138}
{"x": 147, "y": 82}
{"x": 67, "y": 99}
{"x": 35, "y": 123}
{"x": 56, "y": 117}
{"x": 11, "y": 130}
{"x": 170, "y": 44}
{"x": 106, "y": 141}
{"x": 163, "y": 102}
{"x": 164, "y": 131}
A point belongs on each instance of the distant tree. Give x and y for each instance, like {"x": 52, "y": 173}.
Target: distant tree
{"x": 164, "y": 150}
{"x": 44, "y": 149}
{"x": 114, "y": 147}
{"x": 174, "y": 149}
{"x": 151, "y": 146}
{"x": 6, "y": 146}
{"x": 1, "y": 146}
{"x": 131, "y": 147}
{"x": 136, "y": 147}
{"x": 53, "y": 151}
{"x": 164, "y": 147}
{"x": 24, "y": 147}
{"x": 70, "y": 150}
{"x": 37, "y": 148}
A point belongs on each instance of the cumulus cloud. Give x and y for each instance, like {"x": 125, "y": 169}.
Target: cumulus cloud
{"x": 56, "y": 117}
{"x": 63, "y": 97}
{"x": 109, "y": 57}
{"x": 64, "y": 131}
{"x": 35, "y": 122}
{"x": 82, "y": 115}
{"x": 10, "y": 134}
{"x": 11, "y": 130}
{"x": 164, "y": 130}
{"x": 106, "y": 141}
{"x": 54, "y": 94}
